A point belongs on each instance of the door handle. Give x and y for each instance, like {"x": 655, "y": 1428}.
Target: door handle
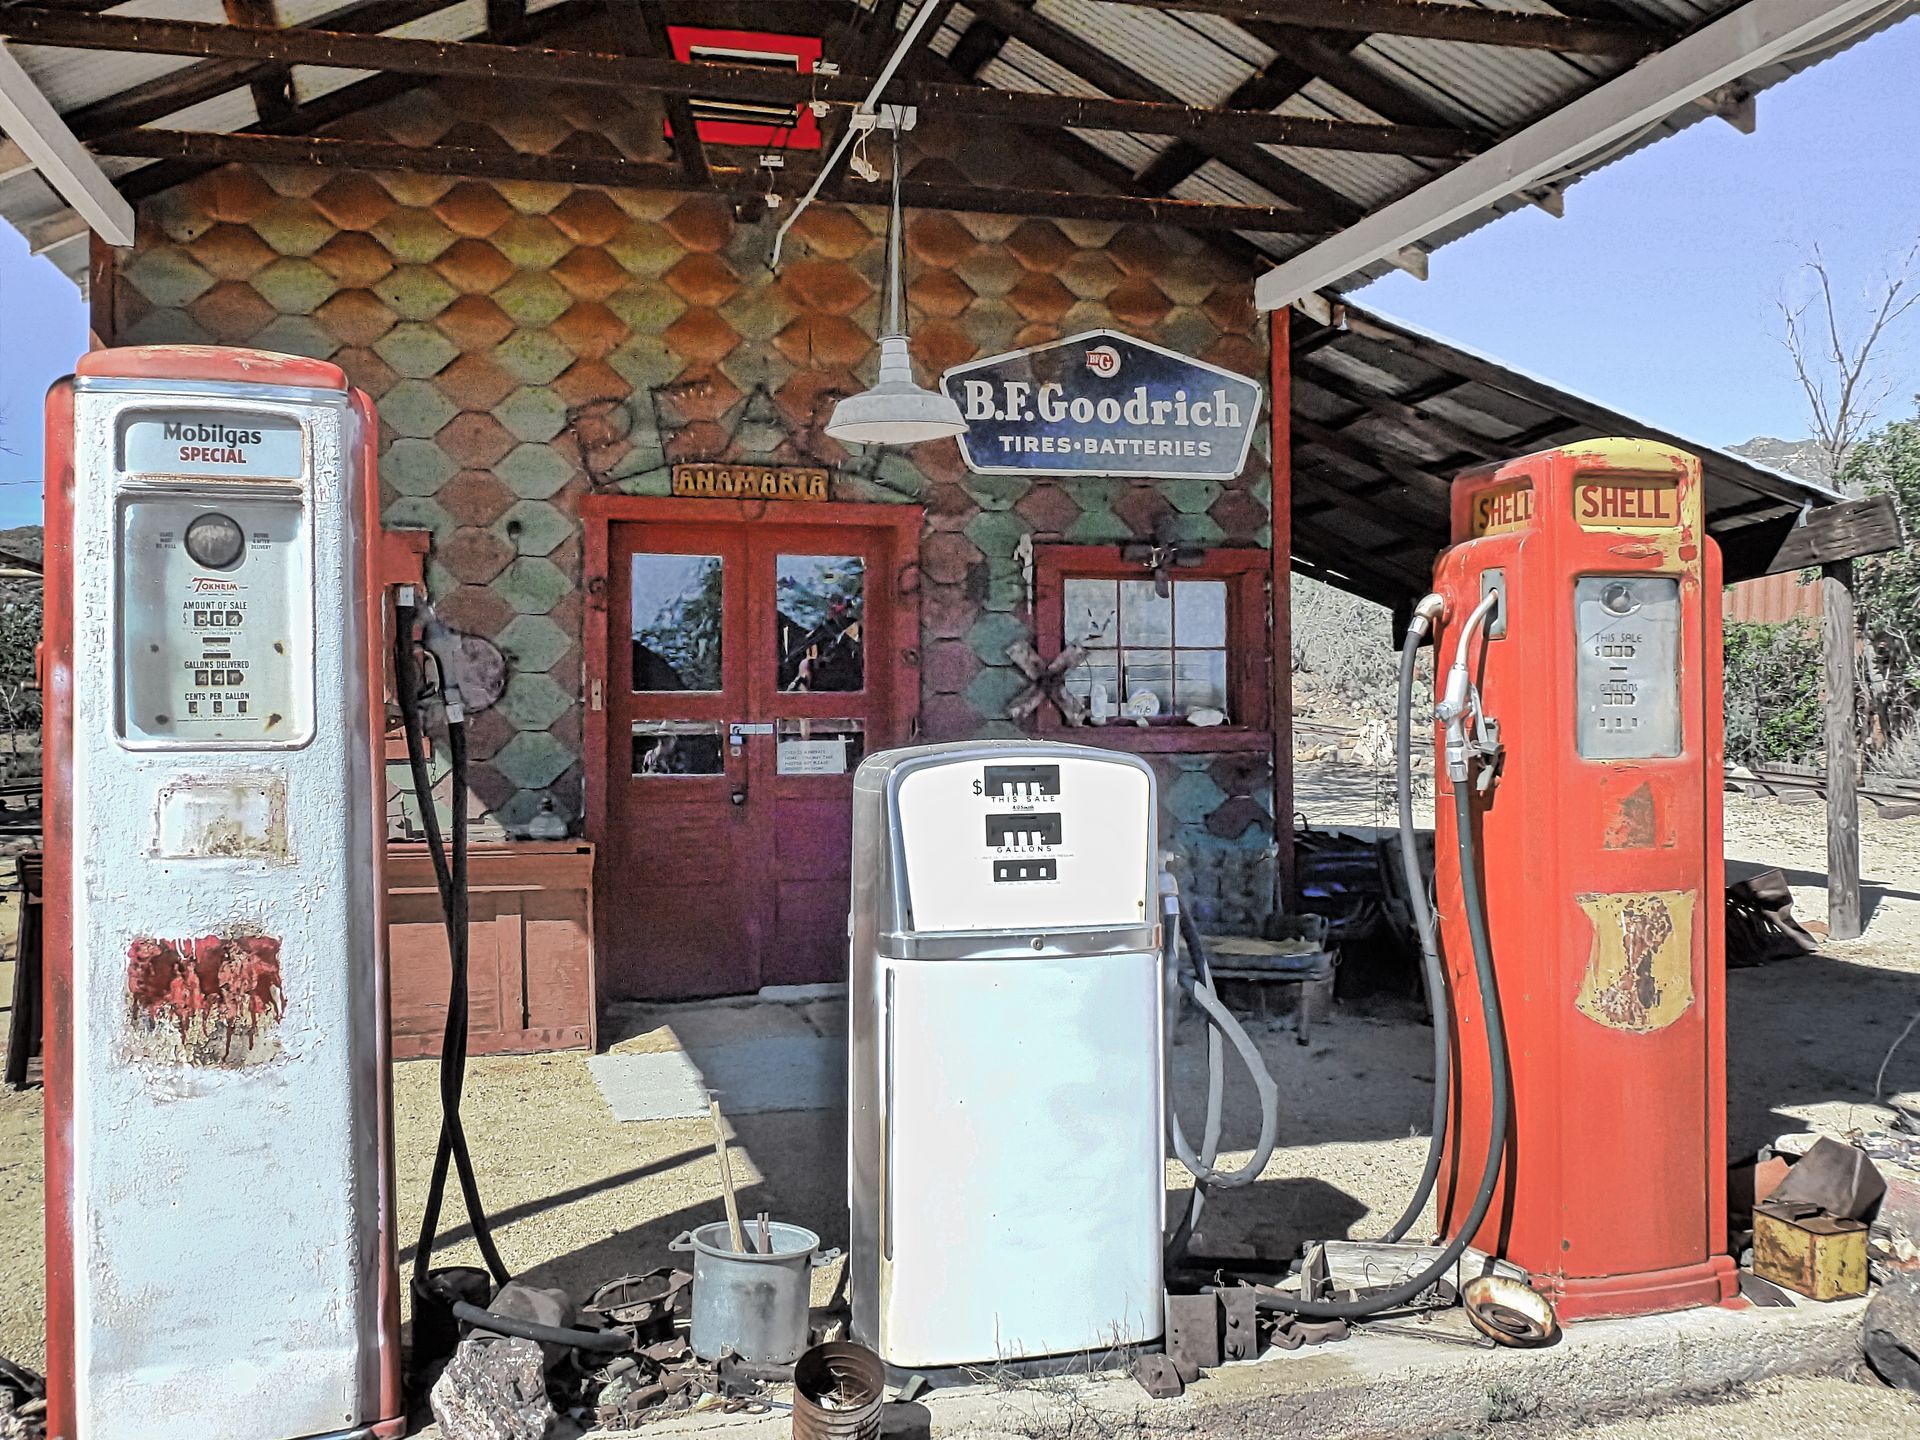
{"x": 739, "y": 796}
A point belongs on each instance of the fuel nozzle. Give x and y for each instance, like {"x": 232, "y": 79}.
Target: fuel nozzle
{"x": 1460, "y": 700}
{"x": 448, "y": 658}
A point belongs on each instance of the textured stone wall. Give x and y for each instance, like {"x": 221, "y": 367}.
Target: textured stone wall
{"x": 527, "y": 344}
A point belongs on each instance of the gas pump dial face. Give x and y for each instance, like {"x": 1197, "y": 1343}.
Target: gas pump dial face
{"x": 216, "y": 542}
{"x": 215, "y": 621}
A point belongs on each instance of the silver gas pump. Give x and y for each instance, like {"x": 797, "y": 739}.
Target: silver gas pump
{"x": 1006, "y": 1166}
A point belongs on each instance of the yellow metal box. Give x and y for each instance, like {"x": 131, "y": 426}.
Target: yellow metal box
{"x": 1809, "y": 1251}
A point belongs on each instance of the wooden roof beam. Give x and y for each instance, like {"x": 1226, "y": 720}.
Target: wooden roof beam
{"x": 32, "y": 123}
{"x": 1104, "y": 72}
{"x": 1723, "y": 50}
{"x": 254, "y": 148}
{"x": 1226, "y": 132}
{"x": 1433, "y": 20}
{"x": 641, "y": 29}
{"x": 177, "y": 90}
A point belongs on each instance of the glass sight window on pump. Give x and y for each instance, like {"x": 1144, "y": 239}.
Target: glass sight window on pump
{"x": 215, "y": 619}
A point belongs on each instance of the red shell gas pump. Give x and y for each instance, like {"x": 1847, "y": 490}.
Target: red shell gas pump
{"x": 220, "y": 1254}
{"x": 1597, "y": 817}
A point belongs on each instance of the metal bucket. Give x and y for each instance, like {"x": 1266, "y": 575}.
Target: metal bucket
{"x": 752, "y": 1304}
{"x": 838, "y": 1391}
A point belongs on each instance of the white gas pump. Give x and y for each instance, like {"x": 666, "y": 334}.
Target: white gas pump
{"x": 1006, "y": 1174}
{"x": 219, "y": 1168}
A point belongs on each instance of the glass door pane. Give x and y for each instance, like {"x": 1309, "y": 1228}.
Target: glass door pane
{"x": 678, "y": 609}
{"x": 819, "y": 618}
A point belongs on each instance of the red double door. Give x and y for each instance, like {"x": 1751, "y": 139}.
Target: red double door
{"x": 749, "y": 667}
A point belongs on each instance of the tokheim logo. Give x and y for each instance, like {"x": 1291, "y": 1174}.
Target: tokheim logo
{"x": 203, "y": 584}
{"x": 1103, "y": 360}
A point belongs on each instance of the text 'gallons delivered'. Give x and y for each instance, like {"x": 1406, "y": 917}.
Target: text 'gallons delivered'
{"x": 1103, "y": 403}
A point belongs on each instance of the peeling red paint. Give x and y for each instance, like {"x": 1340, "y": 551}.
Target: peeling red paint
{"x": 1635, "y": 825}
{"x": 189, "y": 1001}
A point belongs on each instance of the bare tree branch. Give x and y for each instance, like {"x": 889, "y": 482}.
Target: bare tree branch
{"x": 1838, "y": 375}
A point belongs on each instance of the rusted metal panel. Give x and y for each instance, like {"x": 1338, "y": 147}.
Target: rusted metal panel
{"x": 214, "y": 1001}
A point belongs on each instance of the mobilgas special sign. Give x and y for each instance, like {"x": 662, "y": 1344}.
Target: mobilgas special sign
{"x": 1103, "y": 403}
{"x": 255, "y": 445}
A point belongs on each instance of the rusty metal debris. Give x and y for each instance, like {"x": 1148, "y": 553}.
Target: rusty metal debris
{"x": 839, "y": 1391}
{"x": 1240, "y": 1315}
{"x": 1158, "y": 1376}
{"x": 1509, "y": 1312}
{"x": 645, "y": 1306}
{"x": 1193, "y": 1334}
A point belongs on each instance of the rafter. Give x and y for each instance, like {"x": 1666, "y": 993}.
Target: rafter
{"x": 1102, "y": 70}
{"x": 179, "y": 89}
{"x": 1736, "y": 44}
{"x": 1150, "y": 111}
{"x": 262, "y": 149}
{"x": 32, "y": 123}
{"x": 641, "y": 29}
{"x": 273, "y": 87}
{"x": 1434, "y": 20}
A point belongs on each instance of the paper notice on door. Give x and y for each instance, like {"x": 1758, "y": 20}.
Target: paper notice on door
{"x": 813, "y": 757}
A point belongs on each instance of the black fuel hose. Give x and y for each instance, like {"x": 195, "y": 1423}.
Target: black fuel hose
{"x": 1415, "y": 879}
{"x": 450, "y": 876}
{"x": 1502, "y": 1099}
{"x": 601, "y": 1342}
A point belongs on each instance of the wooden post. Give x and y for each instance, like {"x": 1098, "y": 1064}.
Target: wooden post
{"x": 1843, "y": 760}
{"x": 1280, "y": 452}
{"x": 100, "y": 278}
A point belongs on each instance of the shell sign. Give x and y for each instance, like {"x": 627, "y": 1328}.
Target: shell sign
{"x": 1640, "y": 972}
{"x": 1103, "y": 403}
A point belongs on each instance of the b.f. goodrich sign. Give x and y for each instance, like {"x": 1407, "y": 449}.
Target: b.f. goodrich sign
{"x": 1103, "y": 403}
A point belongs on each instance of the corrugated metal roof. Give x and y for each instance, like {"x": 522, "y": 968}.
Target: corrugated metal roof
{"x": 1387, "y": 414}
{"x": 1200, "y": 57}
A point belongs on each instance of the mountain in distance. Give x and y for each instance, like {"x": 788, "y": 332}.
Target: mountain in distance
{"x": 26, "y": 541}
{"x": 1803, "y": 459}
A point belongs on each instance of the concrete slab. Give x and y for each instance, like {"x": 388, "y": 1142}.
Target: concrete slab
{"x": 1383, "y": 1386}
{"x": 753, "y": 1077}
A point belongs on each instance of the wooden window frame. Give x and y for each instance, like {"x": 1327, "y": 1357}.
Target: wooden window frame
{"x": 1249, "y": 693}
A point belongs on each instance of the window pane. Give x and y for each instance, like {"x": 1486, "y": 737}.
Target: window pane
{"x": 1092, "y": 613}
{"x": 1101, "y": 667}
{"x": 820, "y": 747}
{"x": 1201, "y": 681}
{"x": 676, "y": 622}
{"x": 1145, "y": 618}
{"x": 1200, "y": 612}
{"x": 1150, "y": 670}
{"x": 819, "y": 604}
{"x": 678, "y": 747}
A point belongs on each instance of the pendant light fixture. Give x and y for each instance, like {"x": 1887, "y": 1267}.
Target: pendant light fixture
{"x": 895, "y": 411}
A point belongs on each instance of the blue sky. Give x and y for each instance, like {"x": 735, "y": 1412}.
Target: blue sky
{"x": 1655, "y": 294}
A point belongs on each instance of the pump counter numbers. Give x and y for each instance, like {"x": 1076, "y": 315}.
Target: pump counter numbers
{"x": 1627, "y": 666}
{"x": 216, "y": 583}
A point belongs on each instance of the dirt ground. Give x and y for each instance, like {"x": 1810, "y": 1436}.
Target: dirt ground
{"x": 1804, "y": 1406}
{"x": 579, "y": 1198}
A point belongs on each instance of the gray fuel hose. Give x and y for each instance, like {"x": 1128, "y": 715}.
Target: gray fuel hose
{"x": 1502, "y": 1100}
{"x": 1178, "y": 925}
{"x": 1415, "y": 879}
{"x": 1222, "y": 1020}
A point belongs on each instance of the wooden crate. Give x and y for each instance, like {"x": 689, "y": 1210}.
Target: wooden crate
{"x": 531, "y": 941}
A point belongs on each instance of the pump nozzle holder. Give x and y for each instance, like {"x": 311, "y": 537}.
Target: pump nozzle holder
{"x": 1459, "y": 699}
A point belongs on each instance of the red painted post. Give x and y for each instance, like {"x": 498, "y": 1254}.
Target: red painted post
{"x": 1280, "y": 365}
